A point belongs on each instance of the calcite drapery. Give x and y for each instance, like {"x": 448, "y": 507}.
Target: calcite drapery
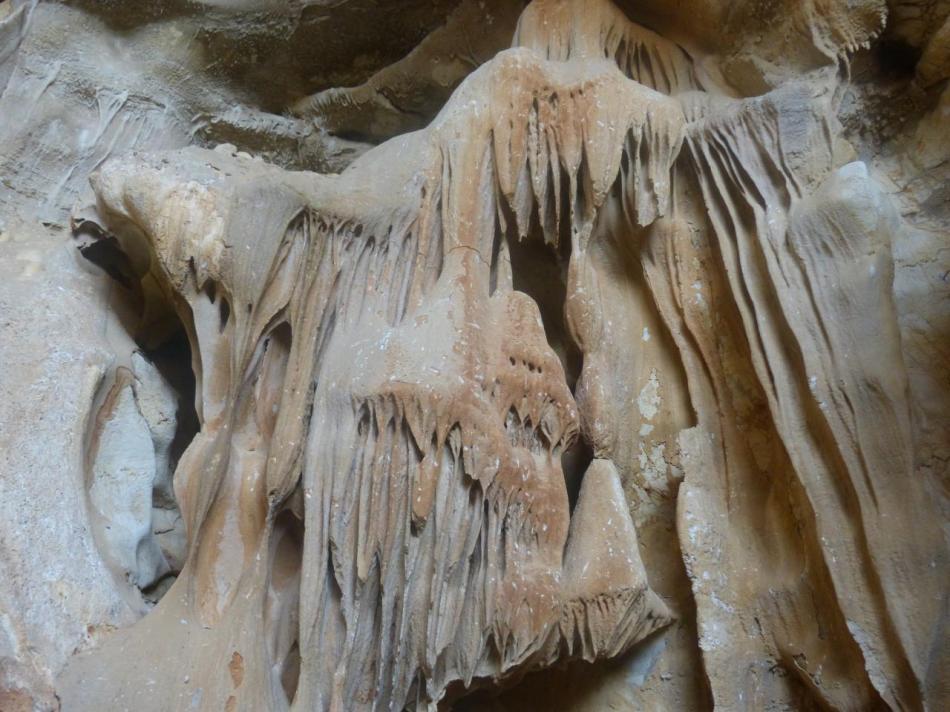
{"x": 369, "y": 367}
{"x": 375, "y": 505}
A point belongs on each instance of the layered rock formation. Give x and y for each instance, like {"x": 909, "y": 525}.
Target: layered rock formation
{"x": 569, "y": 334}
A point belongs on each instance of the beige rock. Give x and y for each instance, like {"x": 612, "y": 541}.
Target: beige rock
{"x": 631, "y": 359}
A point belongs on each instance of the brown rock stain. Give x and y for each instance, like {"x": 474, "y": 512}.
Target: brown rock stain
{"x": 236, "y": 668}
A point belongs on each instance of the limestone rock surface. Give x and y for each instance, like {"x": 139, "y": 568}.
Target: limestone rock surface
{"x": 474, "y": 354}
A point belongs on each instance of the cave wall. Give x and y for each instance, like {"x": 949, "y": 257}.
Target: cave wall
{"x": 483, "y": 355}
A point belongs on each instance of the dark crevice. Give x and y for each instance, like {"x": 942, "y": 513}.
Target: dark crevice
{"x": 290, "y": 673}
{"x": 539, "y": 270}
{"x": 495, "y": 258}
{"x": 106, "y": 254}
{"x": 574, "y": 462}
{"x": 172, "y": 358}
{"x": 896, "y": 58}
{"x": 283, "y": 600}
{"x": 541, "y": 273}
{"x": 153, "y": 594}
{"x": 224, "y": 312}
{"x": 165, "y": 346}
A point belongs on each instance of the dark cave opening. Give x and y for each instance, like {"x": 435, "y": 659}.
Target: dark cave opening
{"x": 540, "y": 271}
{"x": 172, "y": 358}
{"x": 896, "y": 58}
{"x": 165, "y": 349}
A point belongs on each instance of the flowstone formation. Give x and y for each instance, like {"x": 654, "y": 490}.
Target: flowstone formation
{"x": 594, "y": 389}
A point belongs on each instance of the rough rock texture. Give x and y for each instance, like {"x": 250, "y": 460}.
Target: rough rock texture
{"x": 479, "y": 355}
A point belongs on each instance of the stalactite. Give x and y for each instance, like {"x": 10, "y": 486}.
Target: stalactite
{"x": 375, "y": 505}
